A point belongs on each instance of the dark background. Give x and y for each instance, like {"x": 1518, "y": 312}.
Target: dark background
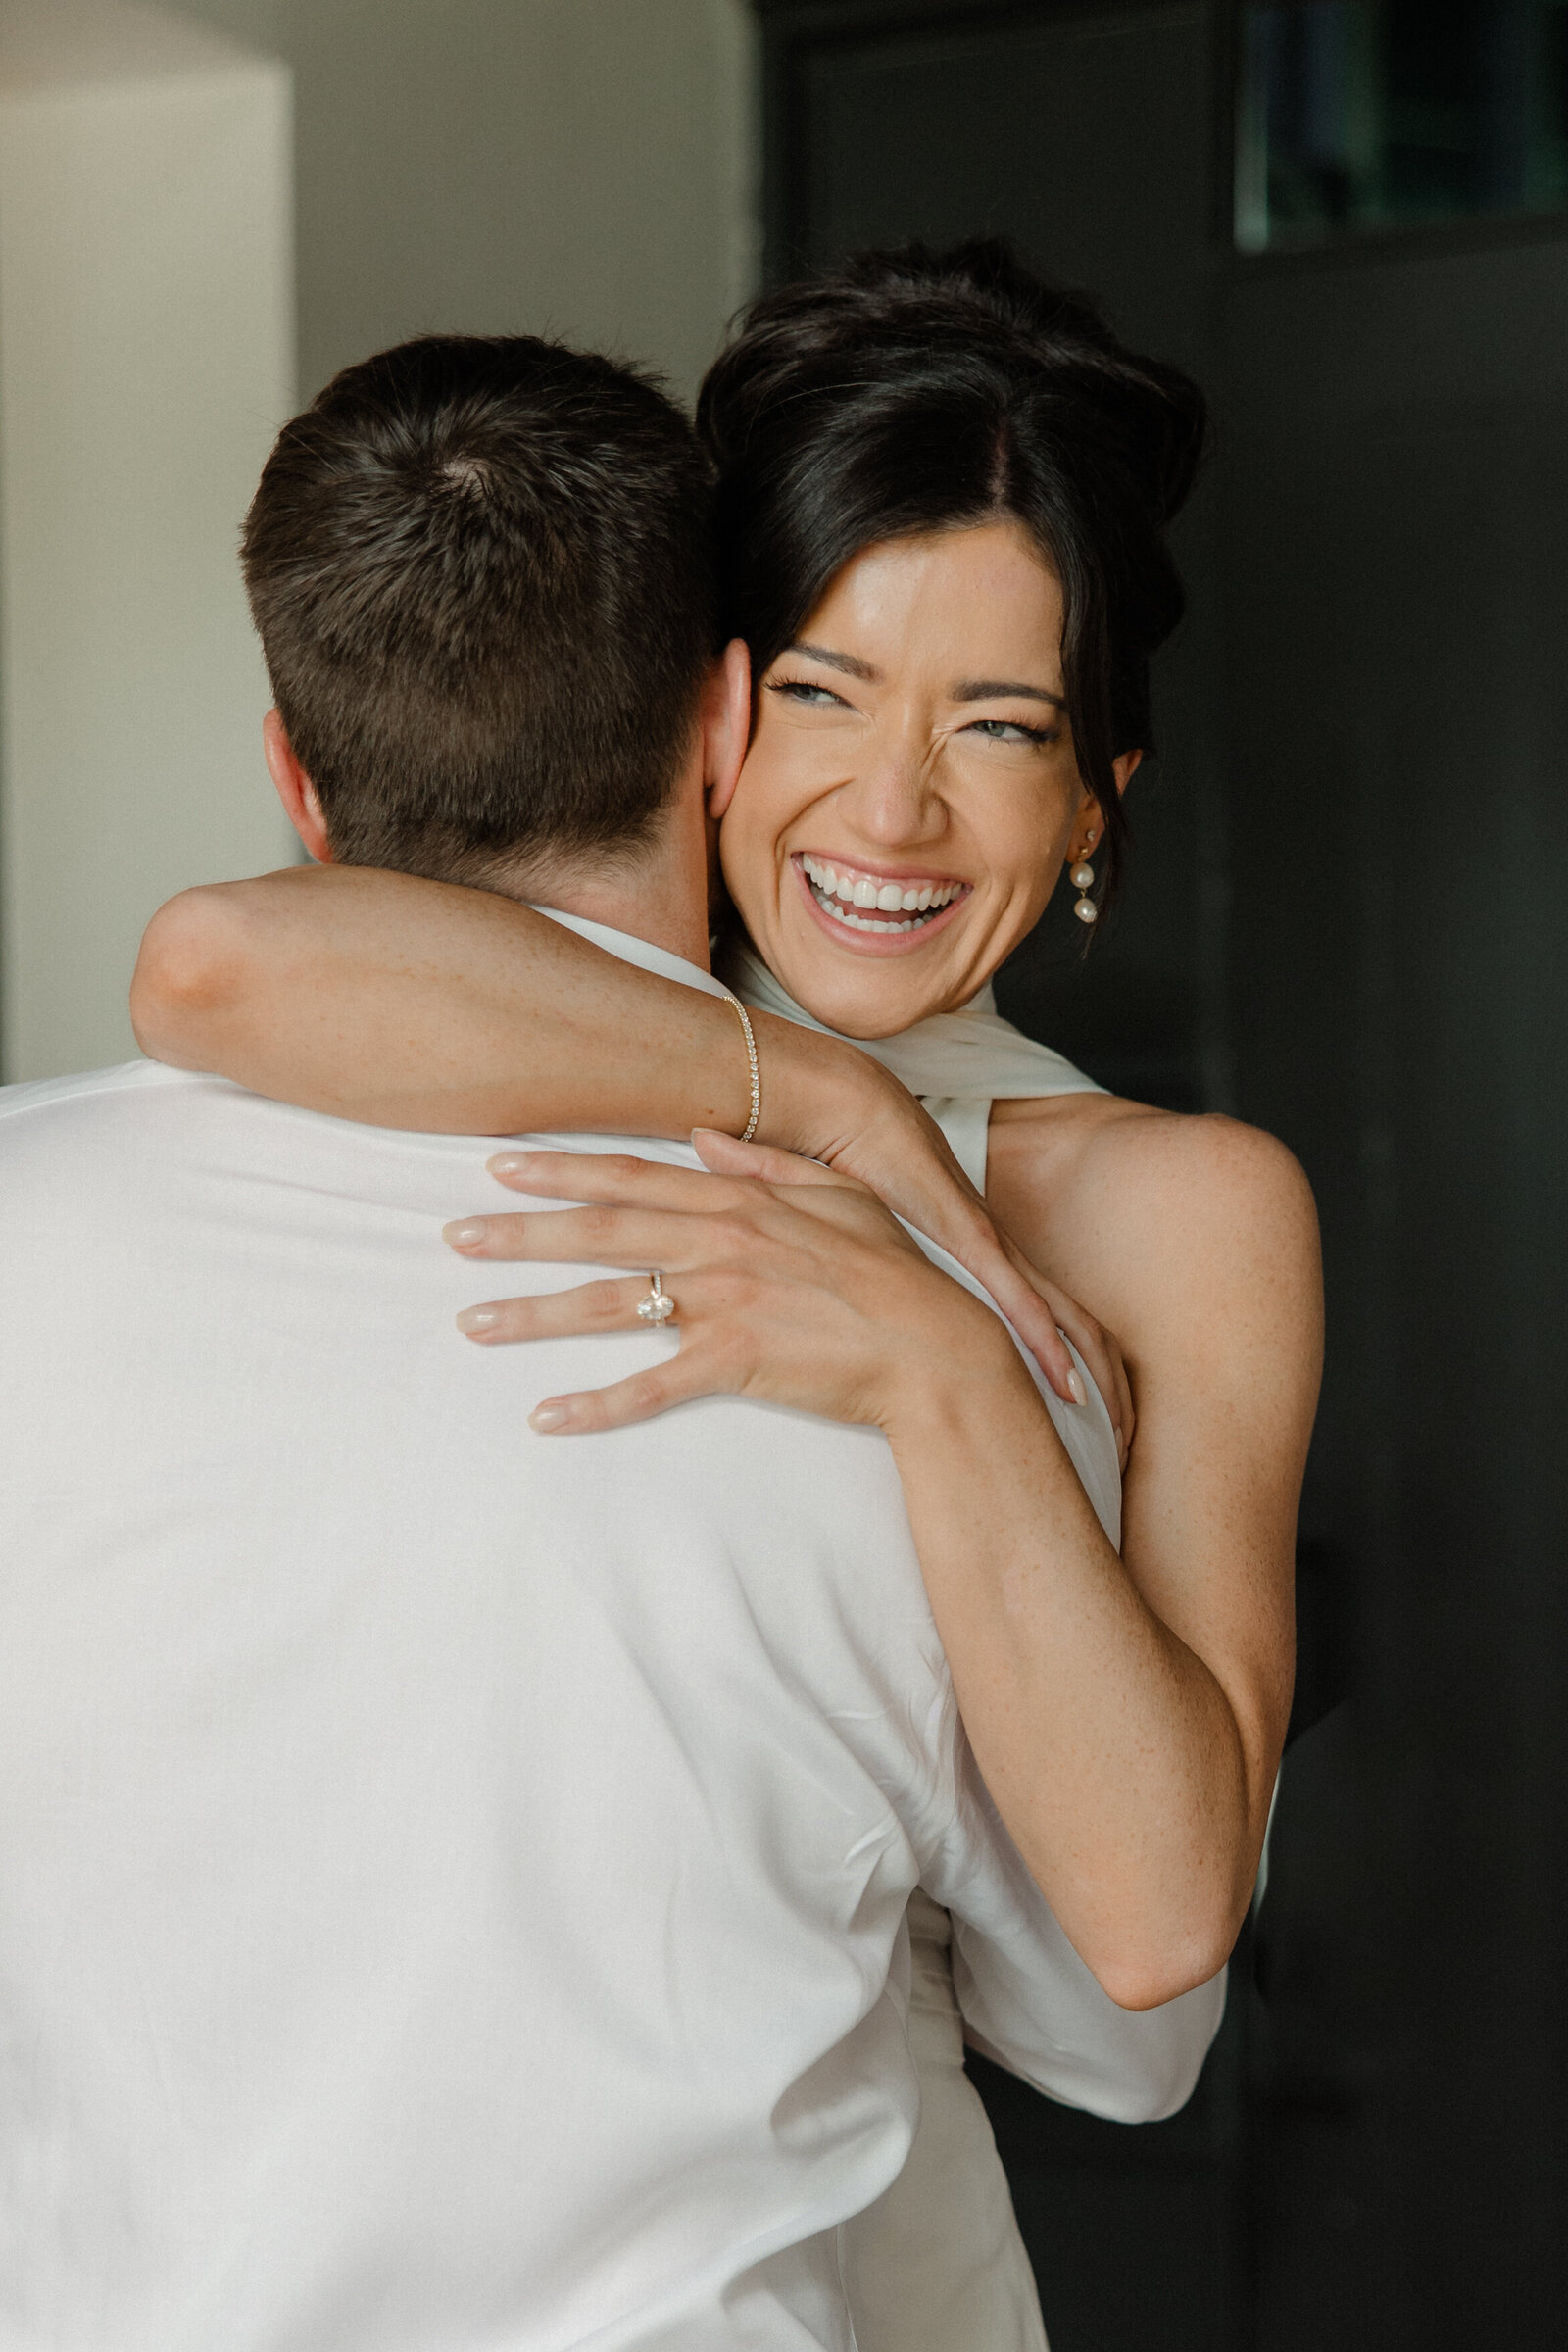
{"x": 1345, "y": 922}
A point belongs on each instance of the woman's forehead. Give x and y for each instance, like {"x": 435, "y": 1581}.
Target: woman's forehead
{"x": 952, "y": 596}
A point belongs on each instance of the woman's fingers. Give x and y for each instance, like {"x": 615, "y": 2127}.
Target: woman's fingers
{"x": 673, "y": 1382}
{"x": 910, "y": 1167}
{"x": 991, "y": 1262}
{"x": 1119, "y": 1395}
{"x": 599, "y": 1235}
{"x": 642, "y": 1213}
{"x": 619, "y": 1177}
{"x": 562, "y": 1314}
{"x": 976, "y": 1244}
{"x": 1099, "y": 1348}
{"x": 1102, "y": 1358}
{"x": 726, "y": 1156}
{"x": 623, "y": 1178}
{"x": 1127, "y": 1424}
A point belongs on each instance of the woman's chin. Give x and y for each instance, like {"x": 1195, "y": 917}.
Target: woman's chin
{"x": 870, "y": 985}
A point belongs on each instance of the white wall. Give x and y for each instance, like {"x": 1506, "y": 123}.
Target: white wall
{"x": 583, "y": 168}
{"x": 578, "y": 167}
{"x": 146, "y": 359}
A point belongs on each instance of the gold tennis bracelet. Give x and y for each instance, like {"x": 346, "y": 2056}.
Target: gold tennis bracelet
{"x": 750, "y": 1063}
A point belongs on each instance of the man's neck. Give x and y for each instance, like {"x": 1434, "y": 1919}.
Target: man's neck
{"x": 636, "y": 911}
{"x": 661, "y": 897}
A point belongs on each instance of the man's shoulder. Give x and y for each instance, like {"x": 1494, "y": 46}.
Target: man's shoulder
{"x": 90, "y": 1136}
{"x": 42, "y": 1095}
{"x": 123, "y": 1088}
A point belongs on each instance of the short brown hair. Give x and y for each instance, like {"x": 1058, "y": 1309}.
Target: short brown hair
{"x": 482, "y": 573}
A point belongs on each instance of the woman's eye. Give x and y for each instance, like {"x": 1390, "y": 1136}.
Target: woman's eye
{"x": 1011, "y": 730}
{"x": 801, "y": 690}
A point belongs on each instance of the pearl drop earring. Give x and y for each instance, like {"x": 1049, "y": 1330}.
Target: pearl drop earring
{"x": 1082, "y": 878}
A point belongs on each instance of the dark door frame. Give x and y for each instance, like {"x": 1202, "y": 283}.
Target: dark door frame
{"x": 793, "y": 29}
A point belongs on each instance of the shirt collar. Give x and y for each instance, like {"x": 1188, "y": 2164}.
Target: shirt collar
{"x": 641, "y": 952}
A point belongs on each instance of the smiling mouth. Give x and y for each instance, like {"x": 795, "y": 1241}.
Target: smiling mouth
{"x": 883, "y": 905}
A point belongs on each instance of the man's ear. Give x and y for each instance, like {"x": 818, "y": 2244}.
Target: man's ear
{"x": 726, "y": 725}
{"x": 295, "y": 789}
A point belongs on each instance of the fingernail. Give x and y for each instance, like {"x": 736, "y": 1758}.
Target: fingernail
{"x": 546, "y": 1417}
{"x": 478, "y": 1318}
{"x": 466, "y": 1236}
{"x": 510, "y": 1163}
{"x": 1076, "y": 1390}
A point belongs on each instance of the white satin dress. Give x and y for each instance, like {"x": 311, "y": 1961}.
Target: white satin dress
{"x": 937, "y": 2264}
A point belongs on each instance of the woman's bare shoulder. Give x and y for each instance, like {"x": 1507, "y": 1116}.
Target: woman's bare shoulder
{"x": 1146, "y": 1153}
{"x": 1155, "y": 1199}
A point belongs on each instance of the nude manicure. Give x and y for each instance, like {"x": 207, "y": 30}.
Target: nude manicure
{"x": 478, "y": 1318}
{"x": 466, "y": 1236}
{"x": 546, "y": 1417}
{"x": 1076, "y": 1390}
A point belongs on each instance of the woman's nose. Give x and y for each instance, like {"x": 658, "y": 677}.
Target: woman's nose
{"x": 892, "y": 802}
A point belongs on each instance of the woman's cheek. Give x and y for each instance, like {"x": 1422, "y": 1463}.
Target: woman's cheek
{"x": 766, "y": 802}
{"x": 745, "y": 860}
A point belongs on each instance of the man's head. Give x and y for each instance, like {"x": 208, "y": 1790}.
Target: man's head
{"x": 483, "y": 573}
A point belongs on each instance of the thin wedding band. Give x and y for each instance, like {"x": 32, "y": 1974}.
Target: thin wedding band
{"x": 751, "y": 1065}
{"x": 658, "y": 1305}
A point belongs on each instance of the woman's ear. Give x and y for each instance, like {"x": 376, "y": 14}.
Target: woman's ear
{"x": 727, "y": 726}
{"x": 295, "y": 789}
{"x": 1090, "y": 823}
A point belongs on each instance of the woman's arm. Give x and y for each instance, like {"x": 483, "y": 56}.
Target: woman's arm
{"x": 427, "y": 1006}
{"x": 1131, "y": 1758}
{"x": 1199, "y": 1237}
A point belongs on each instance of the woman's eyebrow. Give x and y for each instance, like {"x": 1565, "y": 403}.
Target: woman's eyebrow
{"x": 986, "y": 690}
{"x": 847, "y": 662}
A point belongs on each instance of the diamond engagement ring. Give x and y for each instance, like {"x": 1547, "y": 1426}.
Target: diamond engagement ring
{"x": 658, "y": 1305}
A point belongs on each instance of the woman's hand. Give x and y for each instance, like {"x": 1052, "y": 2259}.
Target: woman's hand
{"x": 887, "y": 1141}
{"x": 791, "y": 1284}
{"x": 1095, "y": 1341}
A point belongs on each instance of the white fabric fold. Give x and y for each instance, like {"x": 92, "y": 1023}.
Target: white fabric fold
{"x": 959, "y": 1064}
{"x": 970, "y": 1054}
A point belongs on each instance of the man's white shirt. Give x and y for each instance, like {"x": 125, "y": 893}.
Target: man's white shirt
{"x": 452, "y": 1880}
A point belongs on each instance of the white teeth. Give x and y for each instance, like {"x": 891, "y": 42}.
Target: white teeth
{"x": 858, "y": 923}
{"x": 837, "y": 892}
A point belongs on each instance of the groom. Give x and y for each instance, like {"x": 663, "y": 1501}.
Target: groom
{"x": 451, "y": 1883}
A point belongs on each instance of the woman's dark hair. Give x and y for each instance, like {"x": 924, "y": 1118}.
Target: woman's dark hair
{"x": 913, "y": 391}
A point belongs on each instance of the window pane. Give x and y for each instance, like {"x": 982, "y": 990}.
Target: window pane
{"x": 1366, "y": 113}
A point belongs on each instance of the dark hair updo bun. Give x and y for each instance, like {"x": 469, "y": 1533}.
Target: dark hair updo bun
{"x": 914, "y": 391}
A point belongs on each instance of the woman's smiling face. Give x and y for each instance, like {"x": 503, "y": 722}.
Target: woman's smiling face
{"x": 910, "y": 790}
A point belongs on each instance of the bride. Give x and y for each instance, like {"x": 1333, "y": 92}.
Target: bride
{"x": 942, "y": 494}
